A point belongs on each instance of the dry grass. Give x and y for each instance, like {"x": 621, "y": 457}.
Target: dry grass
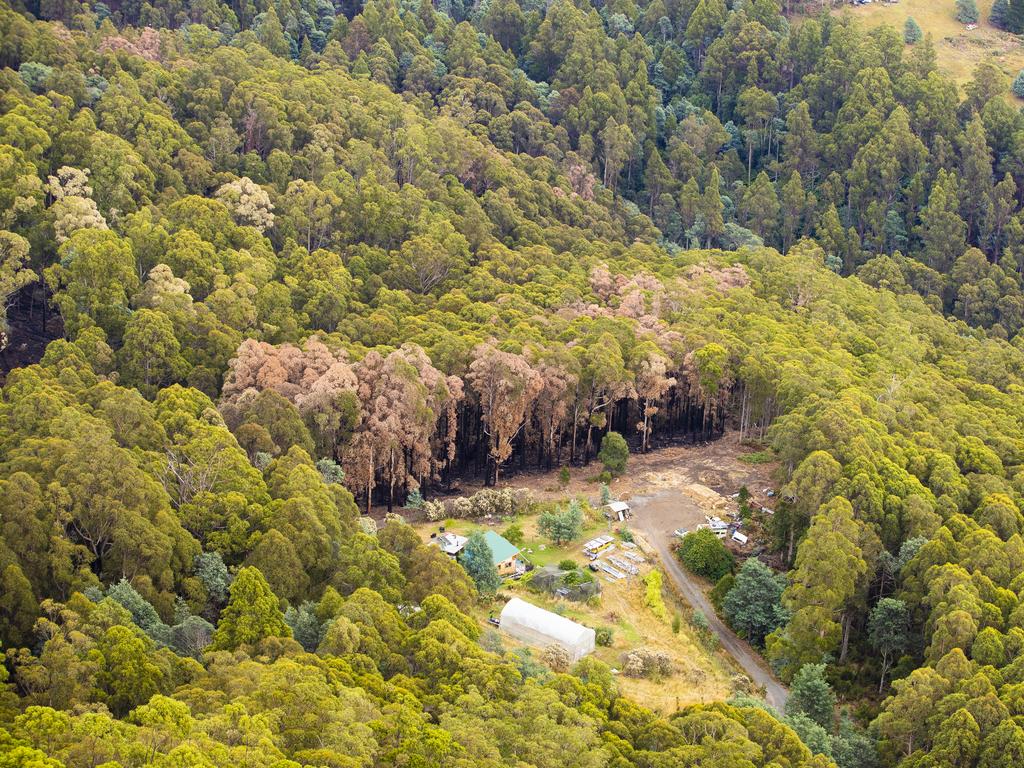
{"x": 699, "y": 675}
{"x": 958, "y": 50}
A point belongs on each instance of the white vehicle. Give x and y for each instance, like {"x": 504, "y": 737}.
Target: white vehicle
{"x": 739, "y": 538}
{"x": 680, "y": 532}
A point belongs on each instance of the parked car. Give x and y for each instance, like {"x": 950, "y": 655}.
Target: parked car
{"x": 680, "y": 532}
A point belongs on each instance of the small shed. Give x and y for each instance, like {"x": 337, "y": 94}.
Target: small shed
{"x": 540, "y": 628}
{"x": 451, "y": 543}
{"x": 616, "y": 510}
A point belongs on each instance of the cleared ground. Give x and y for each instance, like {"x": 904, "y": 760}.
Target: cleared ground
{"x": 655, "y": 484}
{"x": 958, "y": 49}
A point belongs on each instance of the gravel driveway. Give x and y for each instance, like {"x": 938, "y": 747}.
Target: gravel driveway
{"x": 655, "y": 517}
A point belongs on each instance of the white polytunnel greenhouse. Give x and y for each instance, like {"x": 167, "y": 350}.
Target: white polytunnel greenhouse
{"x": 538, "y": 627}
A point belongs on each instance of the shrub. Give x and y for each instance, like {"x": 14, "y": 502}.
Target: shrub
{"x": 604, "y": 636}
{"x": 556, "y": 657}
{"x": 705, "y": 555}
{"x": 563, "y": 525}
{"x": 563, "y": 476}
{"x": 435, "y": 511}
{"x": 757, "y": 457}
{"x": 967, "y": 11}
{"x": 614, "y": 453}
{"x": 1000, "y": 14}
{"x": 677, "y": 624}
{"x": 721, "y": 589}
{"x": 1018, "y": 85}
{"x": 567, "y": 565}
{"x": 625, "y": 534}
{"x": 652, "y": 594}
{"x": 911, "y": 32}
{"x": 606, "y": 494}
{"x": 514, "y": 534}
{"x": 415, "y": 499}
{"x": 489, "y": 502}
{"x": 644, "y": 662}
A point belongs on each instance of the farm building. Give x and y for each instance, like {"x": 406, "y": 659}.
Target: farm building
{"x": 616, "y": 510}
{"x": 451, "y": 543}
{"x": 535, "y": 626}
{"x": 505, "y": 554}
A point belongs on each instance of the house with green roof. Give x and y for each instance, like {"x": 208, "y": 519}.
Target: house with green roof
{"x": 505, "y": 555}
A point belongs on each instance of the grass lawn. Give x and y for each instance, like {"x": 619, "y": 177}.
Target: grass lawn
{"x": 958, "y": 49}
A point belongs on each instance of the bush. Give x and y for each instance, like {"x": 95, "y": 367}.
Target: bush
{"x": 625, "y": 534}
{"x": 563, "y": 525}
{"x": 563, "y": 476}
{"x": 604, "y": 636}
{"x": 1000, "y": 14}
{"x": 614, "y": 453}
{"x": 1018, "y": 85}
{"x": 644, "y": 662}
{"x": 652, "y": 594}
{"x": 753, "y": 606}
{"x": 721, "y": 589}
{"x": 677, "y": 624}
{"x": 490, "y": 502}
{"x": 514, "y": 534}
{"x": 556, "y": 657}
{"x": 911, "y": 32}
{"x": 567, "y": 564}
{"x": 705, "y": 555}
{"x": 967, "y": 11}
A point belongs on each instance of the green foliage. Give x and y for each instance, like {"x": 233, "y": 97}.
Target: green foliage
{"x": 812, "y": 696}
{"x": 889, "y": 631}
{"x": 705, "y": 555}
{"x": 477, "y": 559}
{"x": 251, "y": 615}
{"x": 563, "y": 476}
{"x": 721, "y": 589}
{"x": 911, "y": 32}
{"x": 1018, "y": 83}
{"x": 567, "y": 565}
{"x": 562, "y": 525}
{"x": 653, "y": 598}
{"x": 614, "y": 453}
{"x": 605, "y": 636}
{"x": 514, "y": 534}
{"x": 967, "y": 11}
{"x": 753, "y": 606}
{"x": 325, "y": 217}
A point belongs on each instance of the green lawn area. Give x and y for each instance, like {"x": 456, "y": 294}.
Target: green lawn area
{"x": 536, "y": 548}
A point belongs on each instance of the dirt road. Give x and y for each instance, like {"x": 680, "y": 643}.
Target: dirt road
{"x": 650, "y": 515}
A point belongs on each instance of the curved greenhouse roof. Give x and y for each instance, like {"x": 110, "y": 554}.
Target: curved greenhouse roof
{"x": 535, "y": 626}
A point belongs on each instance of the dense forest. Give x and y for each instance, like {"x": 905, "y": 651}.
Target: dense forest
{"x": 311, "y": 259}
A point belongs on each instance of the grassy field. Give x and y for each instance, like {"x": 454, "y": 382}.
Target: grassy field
{"x": 959, "y": 51}
{"x": 700, "y": 674}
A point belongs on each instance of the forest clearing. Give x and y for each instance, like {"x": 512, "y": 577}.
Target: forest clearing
{"x": 958, "y": 49}
{"x": 656, "y": 485}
